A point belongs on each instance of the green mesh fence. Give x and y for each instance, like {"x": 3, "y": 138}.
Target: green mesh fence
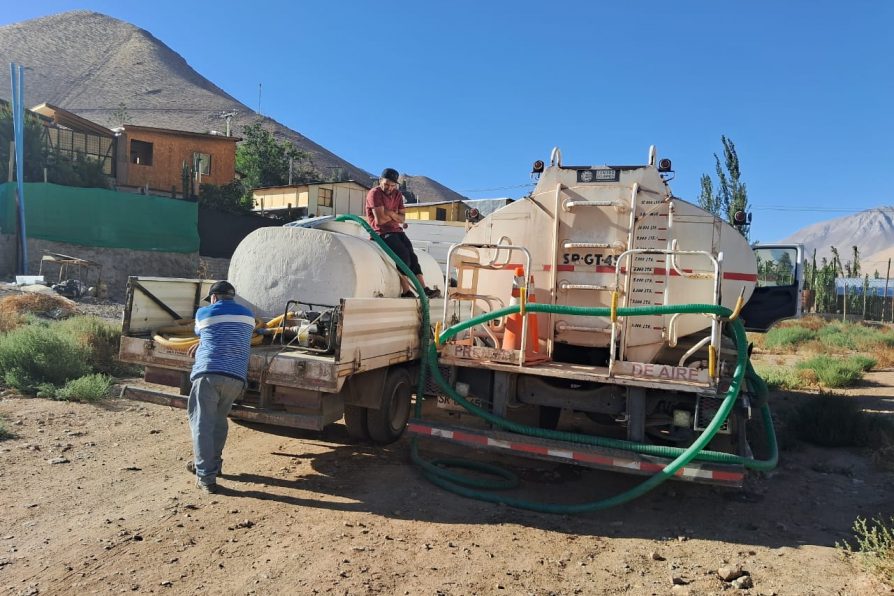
{"x": 103, "y": 218}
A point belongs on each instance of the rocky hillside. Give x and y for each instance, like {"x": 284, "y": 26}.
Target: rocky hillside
{"x": 90, "y": 64}
{"x": 426, "y": 190}
{"x": 872, "y": 231}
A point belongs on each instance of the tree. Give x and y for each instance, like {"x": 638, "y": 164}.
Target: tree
{"x": 856, "y": 265}
{"x": 731, "y": 195}
{"x": 263, "y": 161}
{"x": 226, "y": 197}
{"x": 706, "y": 199}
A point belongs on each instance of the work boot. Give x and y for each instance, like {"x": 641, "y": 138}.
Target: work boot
{"x": 191, "y": 468}
{"x": 211, "y": 489}
{"x": 433, "y": 292}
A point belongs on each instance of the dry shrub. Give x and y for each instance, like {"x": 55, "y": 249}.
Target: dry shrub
{"x": 884, "y": 355}
{"x": 813, "y": 323}
{"x": 13, "y": 309}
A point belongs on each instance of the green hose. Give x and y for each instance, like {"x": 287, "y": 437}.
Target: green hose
{"x": 463, "y": 485}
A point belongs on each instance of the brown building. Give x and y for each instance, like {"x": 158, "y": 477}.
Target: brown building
{"x": 153, "y": 158}
{"x": 71, "y": 135}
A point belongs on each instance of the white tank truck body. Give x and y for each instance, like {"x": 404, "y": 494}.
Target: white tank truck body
{"x": 586, "y": 236}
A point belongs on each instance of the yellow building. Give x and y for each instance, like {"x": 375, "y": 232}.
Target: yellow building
{"x": 437, "y": 211}
{"x": 312, "y": 200}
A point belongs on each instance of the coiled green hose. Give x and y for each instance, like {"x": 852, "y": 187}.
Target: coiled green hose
{"x": 436, "y": 472}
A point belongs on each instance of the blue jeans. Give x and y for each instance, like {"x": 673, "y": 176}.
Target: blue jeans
{"x": 210, "y": 400}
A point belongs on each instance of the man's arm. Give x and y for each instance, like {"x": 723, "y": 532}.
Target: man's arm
{"x": 382, "y": 215}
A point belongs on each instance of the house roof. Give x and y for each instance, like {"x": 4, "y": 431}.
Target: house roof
{"x": 179, "y": 133}
{"x": 286, "y": 186}
{"x": 70, "y": 120}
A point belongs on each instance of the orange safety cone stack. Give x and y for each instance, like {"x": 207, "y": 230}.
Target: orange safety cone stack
{"x": 512, "y": 332}
{"x": 514, "y": 322}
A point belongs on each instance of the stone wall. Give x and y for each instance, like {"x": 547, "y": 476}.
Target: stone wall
{"x": 117, "y": 263}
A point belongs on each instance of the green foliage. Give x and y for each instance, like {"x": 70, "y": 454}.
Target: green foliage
{"x": 40, "y": 357}
{"x": 61, "y": 169}
{"x": 37, "y": 354}
{"x": 264, "y": 161}
{"x": 731, "y": 195}
{"x": 4, "y": 432}
{"x": 226, "y": 197}
{"x": 836, "y": 372}
{"x": 706, "y": 198}
{"x": 780, "y": 377}
{"x": 100, "y": 341}
{"x": 88, "y": 388}
{"x": 874, "y": 546}
{"x": 787, "y": 337}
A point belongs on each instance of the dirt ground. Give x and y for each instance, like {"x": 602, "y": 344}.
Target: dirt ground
{"x": 95, "y": 499}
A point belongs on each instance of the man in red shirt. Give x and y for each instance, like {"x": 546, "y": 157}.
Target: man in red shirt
{"x": 385, "y": 213}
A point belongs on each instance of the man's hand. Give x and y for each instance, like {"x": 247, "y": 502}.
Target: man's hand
{"x": 191, "y": 351}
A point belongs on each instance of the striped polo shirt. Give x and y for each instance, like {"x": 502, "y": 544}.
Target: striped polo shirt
{"x": 225, "y": 330}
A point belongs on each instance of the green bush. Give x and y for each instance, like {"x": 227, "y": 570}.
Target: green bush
{"x": 99, "y": 338}
{"x": 36, "y": 354}
{"x": 787, "y": 337}
{"x": 87, "y": 388}
{"x": 874, "y": 546}
{"x": 837, "y": 372}
{"x": 780, "y": 377}
{"x": 4, "y": 433}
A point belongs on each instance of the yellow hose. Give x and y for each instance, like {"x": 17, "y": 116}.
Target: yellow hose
{"x": 181, "y": 337}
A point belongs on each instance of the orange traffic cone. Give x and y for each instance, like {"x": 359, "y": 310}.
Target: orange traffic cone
{"x": 513, "y": 328}
{"x": 514, "y": 323}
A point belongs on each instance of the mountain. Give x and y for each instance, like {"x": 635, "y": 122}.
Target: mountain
{"x": 872, "y": 231}
{"x": 427, "y": 190}
{"x": 90, "y": 64}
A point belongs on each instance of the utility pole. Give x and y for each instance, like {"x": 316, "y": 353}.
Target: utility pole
{"x": 885, "y": 297}
{"x": 228, "y": 115}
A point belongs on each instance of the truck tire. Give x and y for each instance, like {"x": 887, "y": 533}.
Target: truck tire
{"x": 355, "y": 422}
{"x": 387, "y": 424}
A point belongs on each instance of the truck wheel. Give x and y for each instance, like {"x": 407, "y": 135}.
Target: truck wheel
{"x": 387, "y": 424}
{"x": 355, "y": 422}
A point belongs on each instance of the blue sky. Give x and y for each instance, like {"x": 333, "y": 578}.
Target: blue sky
{"x": 470, "y": 93}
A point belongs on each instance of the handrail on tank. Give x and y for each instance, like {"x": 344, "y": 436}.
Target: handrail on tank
{"x": 555, "y": 157}
{"x": 528, "y": 273}
{"x": 569, "y": 204}
{"x": 653, "y": 153}
{"x": 493, "y": 261}
{"x": 658, "y": 251}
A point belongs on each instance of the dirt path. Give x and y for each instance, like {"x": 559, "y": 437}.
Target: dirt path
{"x": 307, "y": 514}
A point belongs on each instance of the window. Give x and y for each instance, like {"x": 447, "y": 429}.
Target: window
{"x": 202, "y": 163}
{"x": 141, "y": 153}
{"x": 776, "y": 266}
{"x": 324, "y": 197}
{"x": 440, "y": 214}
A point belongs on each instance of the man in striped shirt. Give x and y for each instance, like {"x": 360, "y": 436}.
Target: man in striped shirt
{"x": 218, "y": 378}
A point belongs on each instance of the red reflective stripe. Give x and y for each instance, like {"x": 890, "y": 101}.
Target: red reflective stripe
{"x": 591, "y": 458}
{"x": 470, "y": 438}
{"x": 529, "y": 448}
{"x": 728, "y": 476}
{"x": 740, "y": 276}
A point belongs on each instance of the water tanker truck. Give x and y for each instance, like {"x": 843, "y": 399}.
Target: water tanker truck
{"x": 598, "y": 321}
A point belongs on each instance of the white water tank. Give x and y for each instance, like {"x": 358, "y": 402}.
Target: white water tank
{"x": 317, "y": 266}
